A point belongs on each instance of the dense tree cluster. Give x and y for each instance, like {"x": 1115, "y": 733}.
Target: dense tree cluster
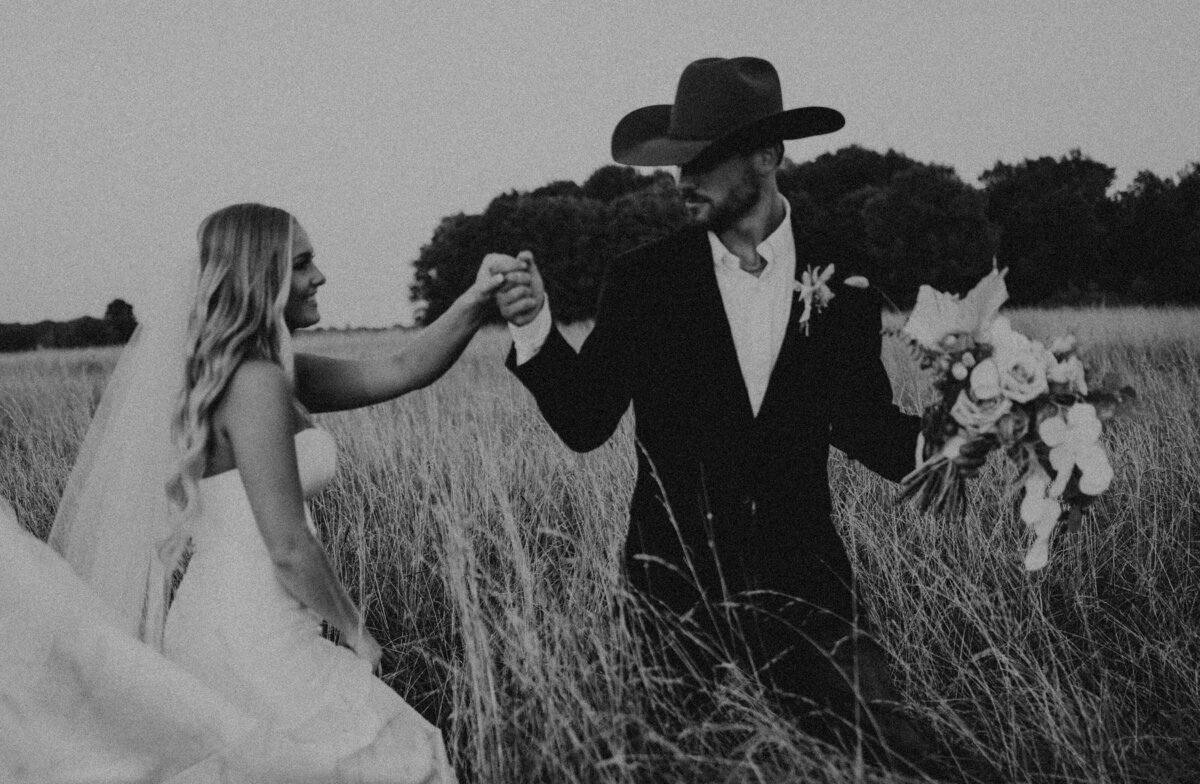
{"x": 918, "y": 223}
{"x": 1053, "y": 222}
{"x": 573, "y": 230}
{"x": 115, "y": 328}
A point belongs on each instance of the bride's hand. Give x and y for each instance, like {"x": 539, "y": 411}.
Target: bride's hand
{"x": 492, "y": 275}
{"x": 365, "y": 647}
{"x": 523, "y": 295}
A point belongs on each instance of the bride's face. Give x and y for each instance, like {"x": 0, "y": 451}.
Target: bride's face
{"x": 301, "y": 309}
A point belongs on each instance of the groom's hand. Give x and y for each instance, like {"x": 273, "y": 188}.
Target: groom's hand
{"x": 523, "y": 294}
{"x": 973, "y": 455}
{"x": 491, "y": 276}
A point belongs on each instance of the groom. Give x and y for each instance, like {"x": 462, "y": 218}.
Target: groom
{"x": 736, "y": 402}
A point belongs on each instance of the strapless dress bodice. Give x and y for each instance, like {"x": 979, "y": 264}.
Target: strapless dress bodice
{"x": 223, "y": 500}
{"x": 316, "y": 457}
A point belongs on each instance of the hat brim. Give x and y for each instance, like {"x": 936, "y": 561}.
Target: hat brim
{"x": 641, "y": 138}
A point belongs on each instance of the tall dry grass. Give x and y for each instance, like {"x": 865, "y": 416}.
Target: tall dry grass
{"x": 486, "y": 555}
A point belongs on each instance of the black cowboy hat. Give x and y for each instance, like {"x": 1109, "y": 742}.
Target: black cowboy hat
{"x": 721, "y": 106}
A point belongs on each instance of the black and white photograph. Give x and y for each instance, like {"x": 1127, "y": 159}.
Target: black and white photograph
{"x": 608, "y": 393}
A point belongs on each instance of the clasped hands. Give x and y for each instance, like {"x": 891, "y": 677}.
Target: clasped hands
{"x": 521, "y": 294}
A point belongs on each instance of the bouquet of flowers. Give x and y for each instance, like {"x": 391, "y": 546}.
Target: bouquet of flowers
{"x": 997, "y": 389}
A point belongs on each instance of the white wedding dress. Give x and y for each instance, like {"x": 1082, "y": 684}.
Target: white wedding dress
{"x": 248, "y": 690}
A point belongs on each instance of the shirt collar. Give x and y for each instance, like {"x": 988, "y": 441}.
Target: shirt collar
{"x": 779, "y": 245}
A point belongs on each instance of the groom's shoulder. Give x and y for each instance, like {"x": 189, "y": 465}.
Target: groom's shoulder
{"x": 818, "y": 242}
{"x": 662, "y": 252}
{"x": 640, "y": 276}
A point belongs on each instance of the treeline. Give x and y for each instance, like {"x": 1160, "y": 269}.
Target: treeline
{"x": 573, "y": 230}
{"x": 115, "y": 328}
{"x": 1052, "y": 221}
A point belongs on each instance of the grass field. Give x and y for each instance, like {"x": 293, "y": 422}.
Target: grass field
{"x": 486, "y": 555}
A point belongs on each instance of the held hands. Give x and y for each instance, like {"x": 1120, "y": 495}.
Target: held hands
{"x": 523, "y": 294}
{"x": 492, "y": 275}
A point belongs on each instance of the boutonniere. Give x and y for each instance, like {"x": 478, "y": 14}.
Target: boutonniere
{"x": 813, "y": 290}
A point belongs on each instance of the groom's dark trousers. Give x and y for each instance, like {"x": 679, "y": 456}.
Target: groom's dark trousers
{"x": 729, "y": 524}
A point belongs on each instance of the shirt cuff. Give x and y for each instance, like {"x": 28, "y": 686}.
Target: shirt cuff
{"x": 529, "y": 339}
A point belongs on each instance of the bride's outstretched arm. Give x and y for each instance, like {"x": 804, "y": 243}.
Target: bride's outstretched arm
{"x": 256, "y": 417}
{"x": 332, "y": 384}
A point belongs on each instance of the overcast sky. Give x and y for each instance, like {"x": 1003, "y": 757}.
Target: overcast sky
{"x": 124, "y": 124}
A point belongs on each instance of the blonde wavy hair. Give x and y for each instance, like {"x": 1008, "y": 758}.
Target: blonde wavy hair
{"x": 245, "y": 279}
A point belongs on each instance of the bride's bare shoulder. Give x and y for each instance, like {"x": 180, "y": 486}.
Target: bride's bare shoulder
{"x": 257, "y": 388}
{"x": 255, "y": 410}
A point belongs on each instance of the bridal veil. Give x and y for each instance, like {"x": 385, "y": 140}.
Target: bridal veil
{"x": 114, "y": 512}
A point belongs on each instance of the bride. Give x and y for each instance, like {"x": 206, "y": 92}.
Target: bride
{"x": 245, "y": 687}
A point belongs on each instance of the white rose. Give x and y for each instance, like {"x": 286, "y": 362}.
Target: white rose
{"x": 979, "y": 418}
{"x": 1022, "y": 376}
{"x": 1021, "y": 362}
{"x": 985, "y": 380}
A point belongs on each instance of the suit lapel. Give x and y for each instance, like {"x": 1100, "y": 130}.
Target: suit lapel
{"x": 707, "y": 341}
{"x": 794, "y": 366}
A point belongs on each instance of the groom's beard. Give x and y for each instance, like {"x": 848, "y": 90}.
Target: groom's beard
{"x": 718, "y": 216}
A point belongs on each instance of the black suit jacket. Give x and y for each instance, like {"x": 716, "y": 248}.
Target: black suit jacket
{"x": 726, "y": 501}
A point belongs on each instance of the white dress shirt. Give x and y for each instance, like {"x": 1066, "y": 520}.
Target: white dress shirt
{"x": 757, "y": 307}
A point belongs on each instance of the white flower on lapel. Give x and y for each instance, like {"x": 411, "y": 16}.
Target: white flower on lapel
{"x": 813, "y": 290}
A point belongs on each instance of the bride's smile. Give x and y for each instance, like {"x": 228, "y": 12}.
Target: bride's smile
{"x": 301, "y": 310}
